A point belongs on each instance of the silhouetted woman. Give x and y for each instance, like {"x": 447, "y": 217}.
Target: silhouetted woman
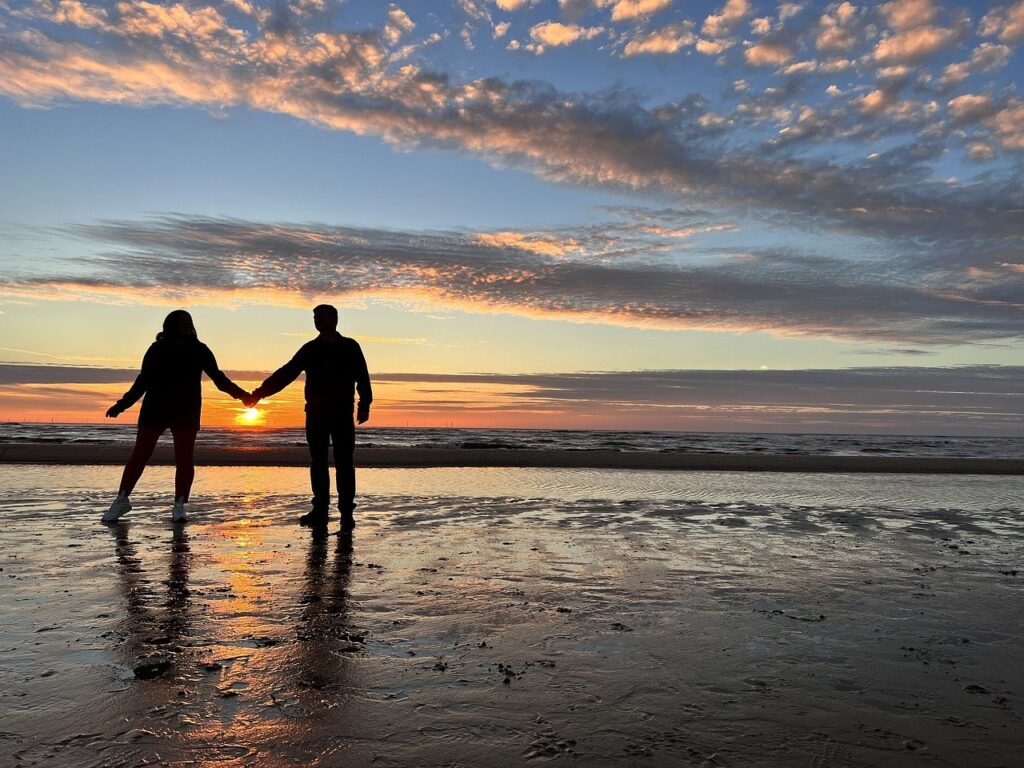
{"x": 170, "y": 378}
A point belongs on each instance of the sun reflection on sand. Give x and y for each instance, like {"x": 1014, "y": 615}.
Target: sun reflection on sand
{"x": 241, "y": 560}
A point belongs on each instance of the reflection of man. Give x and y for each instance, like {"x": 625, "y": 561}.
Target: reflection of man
{"x": 334, "y": 365}
{"x": 324, "y": 629}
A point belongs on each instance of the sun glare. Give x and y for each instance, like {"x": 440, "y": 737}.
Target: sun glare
{"x": 250, "y": 417}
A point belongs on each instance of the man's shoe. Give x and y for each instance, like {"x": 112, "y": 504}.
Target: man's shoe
{"x": 314, "y": 519}
{"x": 348, "y": 522}
{"x": 120, "y": 506}
{"x": 178, "y": 513}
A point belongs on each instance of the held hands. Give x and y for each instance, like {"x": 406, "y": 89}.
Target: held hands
{"x": 250, "y": 400}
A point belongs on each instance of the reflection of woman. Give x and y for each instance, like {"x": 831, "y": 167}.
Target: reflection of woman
{"x": 170, "y": 378}
{"x": 149, "y": 616}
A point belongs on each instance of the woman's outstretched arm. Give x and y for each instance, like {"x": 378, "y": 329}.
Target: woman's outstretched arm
{"x": 137, "y": 390}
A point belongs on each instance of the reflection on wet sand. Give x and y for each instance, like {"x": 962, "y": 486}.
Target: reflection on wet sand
{"x": 326, "y": 640}
{"x": 505, "y": 630}
{"x": 155, "y": 624}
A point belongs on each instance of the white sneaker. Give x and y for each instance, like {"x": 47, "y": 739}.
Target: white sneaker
{"x": 119, "y": 506}
{"x": 178, "y": 513}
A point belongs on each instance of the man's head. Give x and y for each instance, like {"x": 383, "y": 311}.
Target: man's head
{"x": 325, "y": 318}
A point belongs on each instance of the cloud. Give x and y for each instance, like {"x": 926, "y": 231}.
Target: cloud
{"x": 666, "y": 40}
{"x": 1006, "y": 23}
{"x": 894, "y": 400}
{"x": 768, "y": 54}
{"x": 71, "y": 12}
{"x": 513, "y": 5}
{"x": 398, "y": 24}
{"x": 615, "y": 139}
{"x": 970, "y": 108}
{"x": 554, "y": 33}
{"x": 714, "y": 47}
{"x": 837, "y": 30}
{"x": 1008, "y": 125}
{"x": 907, "y": 14}
{"x": 979, "y": 151}
{"x": 727, "y": 19}
{"x": 913, "y": 45}
{"x": 622, "y": 273}
{"x": 987, "y": 57}
{"x": 627, "y": 10}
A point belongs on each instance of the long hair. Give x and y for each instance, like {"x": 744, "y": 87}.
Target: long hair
{"x": 172, "y": 326}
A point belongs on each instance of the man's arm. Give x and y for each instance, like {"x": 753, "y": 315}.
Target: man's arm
{"x": 137, "y": 390}
{"x": 282, "y": 377}
{"x": 362, "y": 385}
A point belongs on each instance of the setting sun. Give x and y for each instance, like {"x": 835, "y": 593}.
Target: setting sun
{"x": 250, "y": 417}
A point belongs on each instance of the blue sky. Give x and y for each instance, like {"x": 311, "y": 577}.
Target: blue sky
{"x": 509, "y": 186}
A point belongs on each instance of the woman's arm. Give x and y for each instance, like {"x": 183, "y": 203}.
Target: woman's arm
{"x": 219, "y": 378}
{"x": 137, "y": 390}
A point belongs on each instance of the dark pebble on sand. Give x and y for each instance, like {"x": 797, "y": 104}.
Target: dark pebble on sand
{"x": 148, "y": 670}
{"x": 973, "y": 688}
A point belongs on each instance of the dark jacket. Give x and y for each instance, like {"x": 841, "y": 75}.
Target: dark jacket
{"x": 171, "y": 380}
{"x": 333, "y": 367}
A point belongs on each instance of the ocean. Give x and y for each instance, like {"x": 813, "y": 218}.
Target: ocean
{"x": 557, "y": 440}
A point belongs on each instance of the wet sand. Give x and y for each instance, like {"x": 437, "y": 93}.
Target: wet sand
{"x": 49, "y": 453}
{"x": 706, "y": 619}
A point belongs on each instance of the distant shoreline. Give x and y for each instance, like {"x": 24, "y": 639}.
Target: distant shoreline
{"x": 46, "y": 453}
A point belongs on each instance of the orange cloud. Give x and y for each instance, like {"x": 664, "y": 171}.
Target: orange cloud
{"x": 544, "y": 246}
{"x": 554, "y": 33}
{"x": 914, "y": 45}
{"x": 905, "y": 14}
{"x": 626, "y": 10}
{"x": 666, "y": 40}
{"x": 725, "y": 21}
{"x": 768, "y": 54}
{"x": 1006, "y": 23}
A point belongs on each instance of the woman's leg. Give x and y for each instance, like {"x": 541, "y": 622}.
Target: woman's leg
{"x": 145, "y": 442}
{"x": 184, "y": 462}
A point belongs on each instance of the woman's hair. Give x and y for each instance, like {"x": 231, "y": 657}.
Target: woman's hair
{"x": 172, "y": 325}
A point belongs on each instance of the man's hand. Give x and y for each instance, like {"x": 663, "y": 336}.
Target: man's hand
{"x": 113, "y": 412}
{"x": 362, "y": 414}
{"x": 250, "y": 400}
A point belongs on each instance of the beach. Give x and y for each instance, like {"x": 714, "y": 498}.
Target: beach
{"x": 512, "y": 616}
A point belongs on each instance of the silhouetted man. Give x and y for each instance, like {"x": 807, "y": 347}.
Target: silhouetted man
{"x": 334, "y": 365}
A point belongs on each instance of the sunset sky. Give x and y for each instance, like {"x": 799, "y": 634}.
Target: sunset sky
{"x": 649, "y": 214}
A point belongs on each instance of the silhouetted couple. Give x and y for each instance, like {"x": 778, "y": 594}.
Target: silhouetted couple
{"x": 170, "y": 379}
